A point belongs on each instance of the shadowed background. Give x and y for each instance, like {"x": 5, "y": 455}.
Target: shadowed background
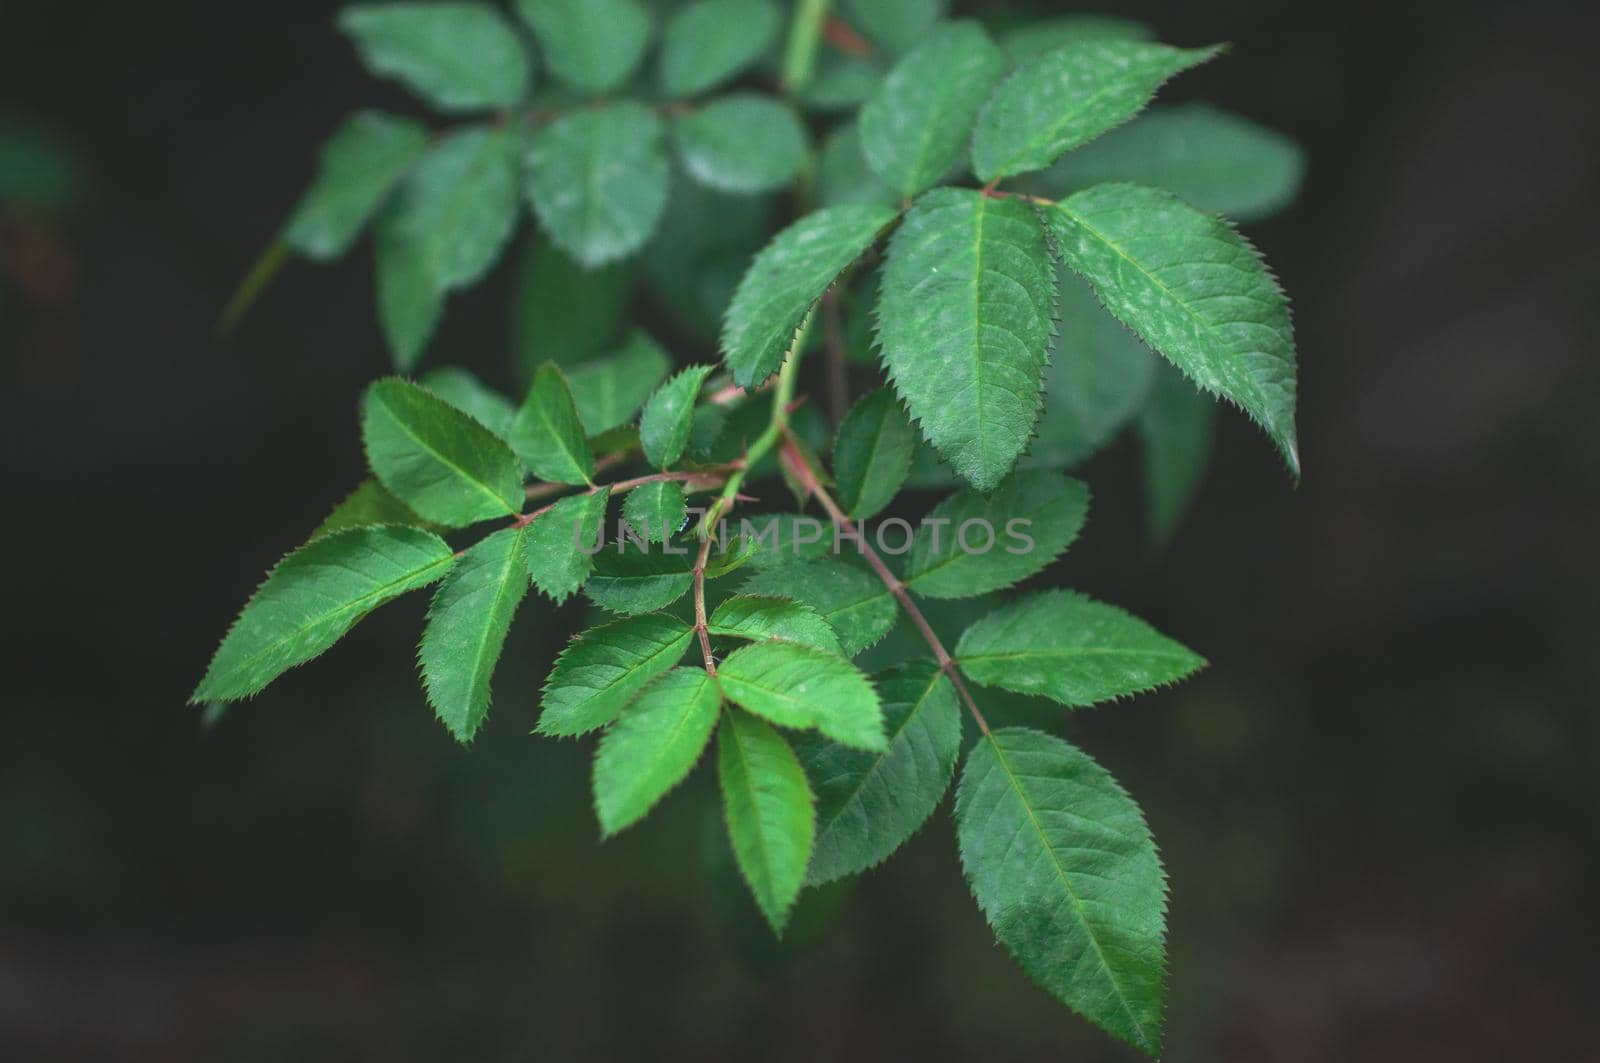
{"x": 1377, "y": 806}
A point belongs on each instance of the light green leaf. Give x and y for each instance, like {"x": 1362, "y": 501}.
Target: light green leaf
{"x": 562, "y": 542}
{"x": 609, "y": 391}
{"x": 592, "y": 45}
{"x": 597, "y": 179}
{"x": 434, "y": 458}
{"x": 653, "y": 745}
{"x": 1071, "y": 649}
{"x": 972, "y": 544}
{"x": 1213, "y": 160}
{"x": 1193, "y": 289}
{"x": 313, "y": 597}
{"x": 601, "y": 670}
{"x": 868, "y": 804}
{"x": 655, "y": 510}
{"x": 456, "y": 56}
{"x": 471, "y": 396}
{"x": 709, "y": 42}
{"x": 964, "y": 321}
{"x": 894, "y": 25}
{"x": 915, "y": 128}
{"x": 459, "y": 206}
{"x": 669, "y": 416}
{"x": 741, "y": 143}
{"x": 359, "y": 166}
{"x": 1064, "y": 868}
{"x": 410, "y": 302}
{"x": 757, "y": 617}
{"x": 795, "y": 685}
{"x": 1176, "y": 429}
{"x": 547, "y": 433}
{"x": 1068, "y": 97}
{"x": 844, "y": 176}
{"x": 561, "y": 312}
{"x": 854, "y": 603}
{"x": 466, "y": 629}
{"x": 370, "y": 503}
{"x": 785, "y": 281}
{"x": 768, "y": 807}
{"x": 1025, "y": 43}
{"x": 639, "y": 580}
{"x": 872, "y": 454}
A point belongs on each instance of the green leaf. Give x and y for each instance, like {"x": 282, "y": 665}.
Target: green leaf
{"x": 709, "y": 42}
{"x": 868, "y": 804}
{"x": 844, "y": 176}
{"x": 669, "y": 416}
{"x": 601, "y": 670}
{"x": 1071, "y": 649}
{"x": 785, "y": 281}
{"x": 742, "y": 143}
{"x": 964, "y": 321}
{"x": 653, "y": 745}
{"x": 359, "y": 166}
{"x": 548, "y": 435}
{"x": 562, "y": 542}
{"x": 1067, "y": 98}
{"x": 784, "y": 538}
{"x": 1064, "y": 868}
{"x": 755, "y": 617}
{"x": 1213, "y": 160}
{"x": 915, "y": 128}
{"x": 841, "y": 82}
{"x": 434, "y": 458}
{"x": 459, "y": 206}
{"x": 1192, "y": 288}
{"x": 894, "y": 25}
{"x": 456, "y": 56}
{"x": 561, "y": 312}
{"x": 370, "y": 503}
{"x": 639, "y": 580}
{"x": 597, "y": 179}
{"x": 609, "y": 391}
{"x": 872, "y": 454}
{"x": 854, "y": 603}
{"x": 795, "y": 685}
{"x": 410, "y": 302}
{"x": 1025, "y": 43}
{"x": 471, "y": 396}
{"x": 768, "y": 807}
{"x": 592, "y": 45}
{"x": 466, "y": 629}
{"x": 1176, "y": 429}
{"x": 655, "y": 510}
{"x": 313, "y": 597}
{"x": 972, "y": 544}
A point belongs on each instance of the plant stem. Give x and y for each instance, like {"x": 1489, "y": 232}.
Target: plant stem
{"x": 802, "y": 472}
{"x": 696, "y": 480}
{"x": 261, "y": 273}
{"x": 800, "y": 51}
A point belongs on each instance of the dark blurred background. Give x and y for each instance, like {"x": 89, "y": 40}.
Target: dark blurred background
{"x": 1378, "y": 806}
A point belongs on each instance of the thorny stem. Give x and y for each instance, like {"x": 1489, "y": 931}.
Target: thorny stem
{"x": 802, "y": 471}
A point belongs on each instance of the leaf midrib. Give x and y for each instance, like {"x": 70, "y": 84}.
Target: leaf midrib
{"x": 441, "y": 458}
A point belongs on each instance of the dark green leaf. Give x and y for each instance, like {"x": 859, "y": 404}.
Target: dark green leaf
{"x": 844, "y": 177}
{"x": 601, "y": 670}
{"x": 854, "y": 603}
{"x": 742, "y": 143}
{"x": 638, "y": 580}
{"x": 434, "y": 458}
{"x": 548, "y": 435}
{"x": 609, "y": 391}
{"x": 370, "y": 503}
{"x": 592, "y": 45}
{"x": 964, "y": 322}
{"x": 471, "y": 396}
{"x": 1067, "y": 98}
{"x": 894, "y": 25}
{"x": 456, "y": 56}
{"x": 755, "y": 617}
{"x": 768, "y": 807}
{"x": 1064, "y": 868}
{"x": 1176, "y": 429}
{"x": 868, "y": 804}
{"x": 459, "y": 206}
{"x": 1025, "y": 43}
{"x": 669, "y": 416}
{"x": 359, "y": 166}
{"x": 410, "y": 302}
{"x": 655, "y": 510}
{"x": 841, "y": 82}
{"x": 795, "y": 685}
{"x": 563, "y": 313}
{"x": 563, "y": 540}
{"x": 872, "y": 453}
{"x": 313, "y": 597}
{"x": 653, "y": 745}
{"x": 708, "y": 42}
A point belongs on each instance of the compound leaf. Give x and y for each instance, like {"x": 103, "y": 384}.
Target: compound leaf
{"x": 709, "y": 42}
{"x": 652, "y": 745}
{"x": 964, "y": 322}
{"x": 915, "y": 127}
{"x": 785, "y": 281}
{"x": 795, "y": 685}
{"x": 601, "y": 670}
{"x": 360, "y": 164}
{"x": 597, "y": 179}
{"x": 1065, "y": 870}
{"x": 769, "y": 811}
{"x": 313, "y": 597}
{"x": 1194, "y": 290}
{"x": 868, "y": 804}
{"x": 757, "y": 617}
{"x": 1068, "y": 97}
{"x": 742, "y": 143}
{"x": 456, "y": 56}
{"x": 854, "y": 603}
{"x": 592, "y": 45}
{"x": 563, "y": 540}
{"x": 547, "y": 433}
{"x": 872, "y": 454}
{"x": 669, "y": 416}
{"x": 466, "y": 629}
{"x": 443, "y": 464}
